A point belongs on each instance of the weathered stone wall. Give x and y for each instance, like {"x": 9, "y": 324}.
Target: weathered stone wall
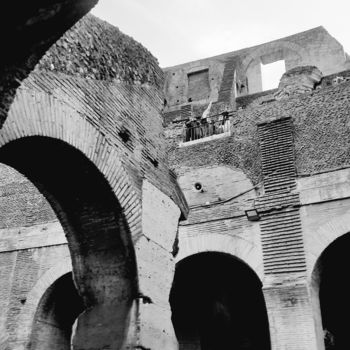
{"x": 176, "y": 84}
{"x": 217, "y": 183}
{"x": 241, "y": 150}
{"x": 321, "y": 132}
{"x": 216, "y": 221}
{"x": 95, "y": 49}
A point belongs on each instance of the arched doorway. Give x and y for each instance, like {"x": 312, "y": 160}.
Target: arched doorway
{"x": 334, "y": 290}
{"x": 97, "y": 232}
{"x": 217, "y": 303}
{"x": 53, "y": 322}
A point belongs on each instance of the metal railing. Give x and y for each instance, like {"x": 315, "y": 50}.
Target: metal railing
{"x": 195, "y": 130}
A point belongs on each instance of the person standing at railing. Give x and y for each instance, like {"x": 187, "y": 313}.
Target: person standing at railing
{"x": 196, "y": 130}
{"x": 219, "y": 127}
{"x": 186, "y": 131}
{"x": 204, "y": 128}
{"x": 211, "y": 126}
{"x": 227, "y": 123}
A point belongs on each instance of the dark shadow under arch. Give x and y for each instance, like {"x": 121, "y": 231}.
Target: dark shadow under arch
{"x": 98, "y": 236}
{"x": 333, "y": 283}
{"x": 54, "y": 318}
{"x": 217, "y": 303}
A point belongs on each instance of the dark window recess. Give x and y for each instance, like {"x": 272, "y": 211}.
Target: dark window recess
{"x": 198, "y": 85}
{"x": 153, "y": 161}
{"x": 124, "y": 134}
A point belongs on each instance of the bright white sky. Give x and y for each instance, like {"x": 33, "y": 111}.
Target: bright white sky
{"x": 179, "y": 31}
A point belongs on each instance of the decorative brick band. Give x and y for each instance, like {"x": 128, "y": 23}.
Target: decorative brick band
{"x": 281, "y": 232}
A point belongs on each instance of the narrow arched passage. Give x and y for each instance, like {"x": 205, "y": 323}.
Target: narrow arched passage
{"x": 53, "y": 322}
{"x": 217, "y": 303}
{"x": 97, "y": 232}
{"x": 334, "y": 290}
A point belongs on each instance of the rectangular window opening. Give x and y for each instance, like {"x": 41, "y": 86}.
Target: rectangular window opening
{"x": 271, "y": 74}
{"x": 198, "y": 85}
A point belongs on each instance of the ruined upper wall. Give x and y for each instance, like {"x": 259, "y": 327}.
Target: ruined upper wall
{"x": 238, "y": 73}
{"x": 95, "y": 49}
{"x": 321, "y": 134}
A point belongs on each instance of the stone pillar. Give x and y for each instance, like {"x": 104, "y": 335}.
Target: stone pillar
{"x": 291, "y": 315}
{"x": 156, "y": 267}
{"x": 119, "y": 320}
{"x": 316, "y": 308}
{"x": 254, "y": 77}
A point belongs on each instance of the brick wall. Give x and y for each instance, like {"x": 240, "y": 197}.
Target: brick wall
{"x": 320, "y": 130}
{"x": 117, "y": 109}
{"x": 21, "y": 204}
{"x": 24, "y": 268}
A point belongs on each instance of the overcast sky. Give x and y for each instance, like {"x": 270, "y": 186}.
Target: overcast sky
{"x": 178, "y": 31}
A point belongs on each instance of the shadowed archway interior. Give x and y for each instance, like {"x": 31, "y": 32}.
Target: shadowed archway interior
{"x": 55, "y": 316}
{"x": 334, "y": 291}
{"x": 98, "y": 237}
{"x": 217, "y": 303}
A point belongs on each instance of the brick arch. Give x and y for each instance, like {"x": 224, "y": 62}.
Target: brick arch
{"x": 271, "y": 47}
{"x": 103, "y": 207}
{"x": 317, "y": 242}
{"x": 40, "y": 114}
{"x": 248, "y": 251}
{"x": 34, "y": 296}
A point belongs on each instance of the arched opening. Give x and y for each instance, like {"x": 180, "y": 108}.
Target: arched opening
{"x": 217, "y": 303}
{"x": 97, "y": 232}
{"x": 53, "y": 322}
{"x": 334, "y": 291}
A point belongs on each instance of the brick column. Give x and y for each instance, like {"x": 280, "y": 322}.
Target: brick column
{"x": 293, "y": 320}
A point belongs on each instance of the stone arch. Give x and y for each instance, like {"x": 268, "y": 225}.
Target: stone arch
{"x": 54, "y": 320}
{"x": 273, "y": 46}
{"x": 317, "y": 242}
{"x": 328, "y": 281}
{"x": 34, "y": 296}
{"x": 82, "y": 176}
{"x": 246, "y": 250}
{"x": 207, "y": 303}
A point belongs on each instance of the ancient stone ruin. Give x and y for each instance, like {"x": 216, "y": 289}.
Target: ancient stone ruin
{"x": 179, "y": 208}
